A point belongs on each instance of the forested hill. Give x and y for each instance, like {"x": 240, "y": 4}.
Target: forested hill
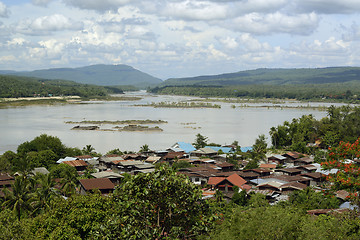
{"x": 274, "y": 77}
{"x": 17, "y": 86}
{"x": 104, "y": 75}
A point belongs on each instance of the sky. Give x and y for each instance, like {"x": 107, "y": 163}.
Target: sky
{"x": 179, "y": 38}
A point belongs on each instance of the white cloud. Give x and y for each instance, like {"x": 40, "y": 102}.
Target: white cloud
{"x": 258, "y": 6}
{"x": 47, "y": 24}
{"x": 252, "y": 44}
{"x": 42, "y": 3}
{"x": 267, "y": 24}
{"x": 4, "y": 11}
{"x": 229, "y": 42}
{"x": 195, "y": 10}
{"x": 328, "y": 6}
{"x": 353, "y": 33}
{"x": 16, "y": 42}
{"x": 98, "y": 5}
{"x": 189, "y": 37}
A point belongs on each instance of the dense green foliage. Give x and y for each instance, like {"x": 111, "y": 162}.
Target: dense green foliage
{"x": 104, "y": 75}
{"x": 278, "y": 222}
{"x": 309, "y": 199}
{"x": 348, "y": 91}
{"x": 42, "y": 151}
{"x": 15, "y": 86}
{"x": 145, "y": 206}
{"x": 341, "y": 124}
{"x": 274, "y": 77}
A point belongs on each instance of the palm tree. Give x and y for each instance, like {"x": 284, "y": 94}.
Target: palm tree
{"x": 144, "y": 148}
{"x": 45, "y": 193}
{"x": 88, "y": 149}
{"x": 69, "y": 183}
{"x": 20, "y": 198}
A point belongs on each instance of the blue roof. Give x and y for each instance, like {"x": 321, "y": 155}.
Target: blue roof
{"x": 187, "y": 147}
{"x": 224, "y": 149}
{"x": 246, "y": 149}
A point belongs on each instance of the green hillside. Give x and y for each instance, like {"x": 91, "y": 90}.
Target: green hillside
{"x": 103, "y": 75}
{"x": 17, "y": 86}
{"x": 273, "y": 77}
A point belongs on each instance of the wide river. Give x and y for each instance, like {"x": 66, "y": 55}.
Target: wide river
{"x": 222, "y": 126}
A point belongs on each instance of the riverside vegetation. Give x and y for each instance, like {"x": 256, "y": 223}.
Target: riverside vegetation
{"x": 48, "y": 92}
{"x": 180, "y": 105}
{"x": 35, "y": 210}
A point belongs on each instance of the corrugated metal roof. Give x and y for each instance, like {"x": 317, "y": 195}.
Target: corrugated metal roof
{"x": 224, "y": 164}
{"x": 280, "y": 157}
{"x": 205, "y": 151}
{"x": 223, "y": 149}
{"x": 246, "y": 149}
{"x": 294, "y": 185}
{"x": 65, "y": 159}
{"x": 267, "y": 165}
{"x": 106, "y": 174}
{"x": 186, "y": 147}
{"x": 5, "y": 176}
{"x": 275, "y": 184}
{"x": 76, "y": 163}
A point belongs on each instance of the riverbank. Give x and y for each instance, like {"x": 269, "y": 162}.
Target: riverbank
{"x": 30, "y": 101}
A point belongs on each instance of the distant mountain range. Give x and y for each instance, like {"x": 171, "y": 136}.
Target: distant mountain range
{"x": 120, "y": 75}
{"x": 104, "y": 75}
{"x": 273, "y": 77}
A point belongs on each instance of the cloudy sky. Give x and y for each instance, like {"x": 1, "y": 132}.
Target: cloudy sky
{"x": 179, "y": 38}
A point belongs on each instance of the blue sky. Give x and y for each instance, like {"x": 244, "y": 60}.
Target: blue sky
{"x": 179, "y": 38}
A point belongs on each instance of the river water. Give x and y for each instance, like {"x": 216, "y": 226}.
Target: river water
{"x": 222, "y": 126}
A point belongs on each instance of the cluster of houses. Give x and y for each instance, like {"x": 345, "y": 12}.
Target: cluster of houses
{"x": 276, "y": 178}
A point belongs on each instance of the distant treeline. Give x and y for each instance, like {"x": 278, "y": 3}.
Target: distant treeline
{"x": 349, "y": 91}
{"x": 274, "y": 77}
{"x": 14, "y": 86}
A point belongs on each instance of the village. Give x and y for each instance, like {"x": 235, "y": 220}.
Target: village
{"x": 276, "y": 177}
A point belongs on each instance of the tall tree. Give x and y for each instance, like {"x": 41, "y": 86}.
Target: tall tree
{"x": 200, "y": 141}
{"x": 43, "y": 142}
{"x": 173, "y": 215}
{"x": 45, "y": 193}
{"x": 19, "y": 198}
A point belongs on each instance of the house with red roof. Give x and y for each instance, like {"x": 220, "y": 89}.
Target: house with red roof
{"x": 227, "y": 183}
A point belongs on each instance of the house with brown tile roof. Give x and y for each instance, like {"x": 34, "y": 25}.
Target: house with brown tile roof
{"x": 104, "y": 185}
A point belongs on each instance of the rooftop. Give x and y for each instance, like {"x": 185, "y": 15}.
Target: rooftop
{"x": 97, "y": 183}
